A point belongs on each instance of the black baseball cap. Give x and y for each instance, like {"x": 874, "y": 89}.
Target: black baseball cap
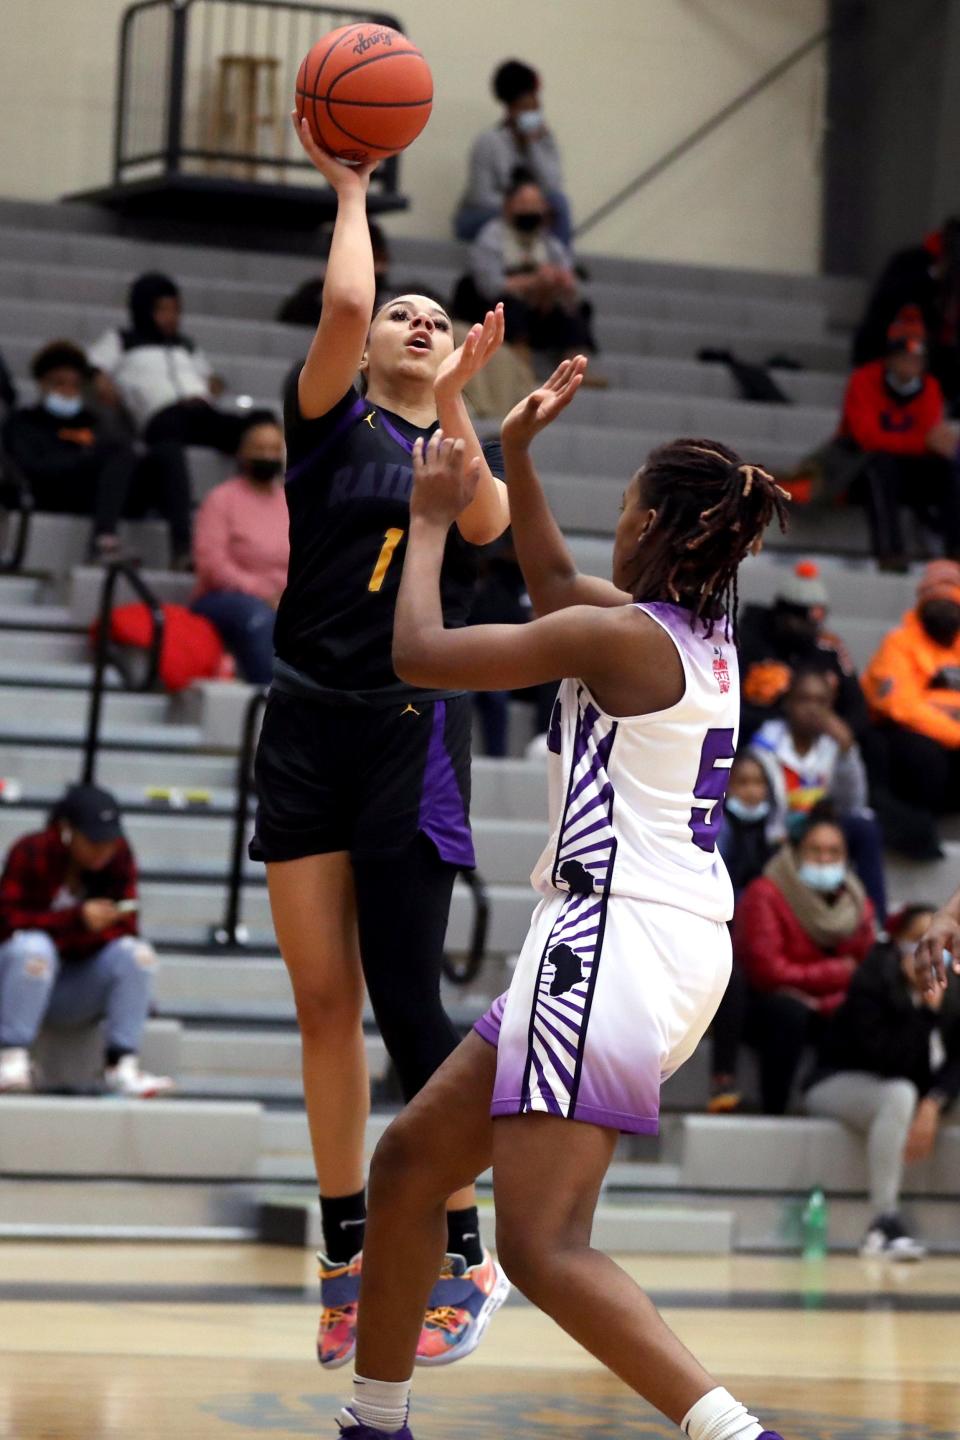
{"x": 93, "y": 812}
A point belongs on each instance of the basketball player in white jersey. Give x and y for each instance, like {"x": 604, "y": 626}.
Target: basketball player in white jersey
{"x": 628, "y": 953}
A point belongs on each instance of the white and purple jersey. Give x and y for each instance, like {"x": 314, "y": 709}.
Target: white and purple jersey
{"x": 628, "y": 953}
{"x": 636, "y": 803}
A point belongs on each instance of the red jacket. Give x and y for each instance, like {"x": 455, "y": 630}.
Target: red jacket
{"x": 33, "y": 878}
{"x": 877, "y": 420}
{"x": 776, "y": 953}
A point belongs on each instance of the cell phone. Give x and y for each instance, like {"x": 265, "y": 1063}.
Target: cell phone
{"x": 127, "y": 907}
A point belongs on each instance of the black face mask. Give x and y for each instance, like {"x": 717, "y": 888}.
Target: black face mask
{"x": 527, "y": 221}
{"x": 263, "y": 470}
{"x": 941, "y": 620}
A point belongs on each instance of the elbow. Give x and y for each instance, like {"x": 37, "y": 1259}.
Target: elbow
{"x": 410, "y": 663}
{"x": 349, "y": 302}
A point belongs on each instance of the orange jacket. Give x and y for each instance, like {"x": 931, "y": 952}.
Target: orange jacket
{"x": 897, "y": 683}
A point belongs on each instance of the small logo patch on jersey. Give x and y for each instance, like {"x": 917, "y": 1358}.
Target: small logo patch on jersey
{"x": 409, "y": 711}
{"x": 721, "y": 671}
{"x": 369, "y": 419}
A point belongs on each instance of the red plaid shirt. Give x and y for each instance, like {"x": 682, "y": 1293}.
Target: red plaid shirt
{"x": 35, "y": 874}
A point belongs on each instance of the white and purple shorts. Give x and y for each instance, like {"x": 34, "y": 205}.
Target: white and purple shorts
{"x": 610, "y": 996}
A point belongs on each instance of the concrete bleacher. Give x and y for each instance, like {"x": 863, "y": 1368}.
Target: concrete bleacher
{"x": 236, "y": 1132}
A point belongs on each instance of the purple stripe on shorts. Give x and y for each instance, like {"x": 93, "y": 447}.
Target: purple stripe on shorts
{"x": 488, "y": 1026}
{"x": 443, "y": 816}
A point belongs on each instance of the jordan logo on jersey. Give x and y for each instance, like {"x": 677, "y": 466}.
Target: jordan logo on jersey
{"x": 368, "y": 419}
{"x": 721, "y": 671}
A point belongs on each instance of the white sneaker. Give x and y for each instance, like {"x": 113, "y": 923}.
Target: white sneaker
{"x": 16, "y": 1076}
{"x": 888, "y": 1238}
{"x": 127, "y": 1079}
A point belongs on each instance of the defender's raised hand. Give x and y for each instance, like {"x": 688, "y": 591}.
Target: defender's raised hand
{"x": 443, "y": 484}
{"x": 526, "y": 420}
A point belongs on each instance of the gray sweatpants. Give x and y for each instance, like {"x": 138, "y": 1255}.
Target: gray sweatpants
{"x": 36, "y": 985}
{"x": 882, "y": 1110}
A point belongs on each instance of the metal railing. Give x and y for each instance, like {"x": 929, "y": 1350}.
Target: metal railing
{"x": 231, "y": 933}
{"x": 105, "y": 654}
{"x": 193, "y": 74}
{"x": 705, "y": 129}
{"x": 16, "y": 499}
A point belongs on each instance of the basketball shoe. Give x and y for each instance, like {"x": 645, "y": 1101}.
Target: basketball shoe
{"x": 16, "y": 1074}
{"x": 461, "y": 1306}
{"x": 351, "y": 1427}
{"x": 339, "y": 1292}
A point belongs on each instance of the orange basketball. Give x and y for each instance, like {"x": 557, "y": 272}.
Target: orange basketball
{"x": 366, "y": 92}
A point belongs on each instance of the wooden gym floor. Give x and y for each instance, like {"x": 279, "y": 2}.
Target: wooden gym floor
{"x": 189, "y": 1342}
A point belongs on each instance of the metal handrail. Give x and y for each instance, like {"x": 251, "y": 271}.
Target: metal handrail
{"x": 707, "y": 128}
{"x": 476, "y": 952}
{"x": 231, "y": 934}
{"x": 11, "y": 558}
{"x": 104, "y": 654}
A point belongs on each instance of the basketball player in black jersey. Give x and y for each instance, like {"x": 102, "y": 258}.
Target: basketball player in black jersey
{"x": 363, "y": 782}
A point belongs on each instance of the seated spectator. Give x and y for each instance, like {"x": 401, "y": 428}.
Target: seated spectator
{"x": 776, "y": 640}
{"x": 810, "y": 756}
{"x": 924, "y": 277}
{"x": 515, "y": 259}
{"x": 746, "y": 841}
{"x": 799, "y": 933}
{"x": 893, "y": 413}
{"x": 76, "y": 465}
{"x": 241, "y": 549}
{"x": 163, "y": 380}
{"x": 889, "y": 1067}
{"x": 912, "y": 686}
{"x": 304, "y": 305}
{"x": 520, "y": 139}
{"x": 70, "y": 952}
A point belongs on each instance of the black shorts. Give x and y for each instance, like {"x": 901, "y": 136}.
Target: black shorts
{"x": 361, "y": 778}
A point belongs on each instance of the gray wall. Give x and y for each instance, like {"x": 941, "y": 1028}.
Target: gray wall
{"x": 892, "y": 155}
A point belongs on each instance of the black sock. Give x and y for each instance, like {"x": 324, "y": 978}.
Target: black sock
{"x": 463, "y": 1235}
{"x": 115, "y": 1054}
{"x": 342, "y": 1218}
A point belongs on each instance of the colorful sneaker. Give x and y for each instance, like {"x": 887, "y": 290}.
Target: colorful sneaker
{"x": 339, "y": 1293}
{"x": 352, "y": 1428}
{"x": 462, "y": 1304}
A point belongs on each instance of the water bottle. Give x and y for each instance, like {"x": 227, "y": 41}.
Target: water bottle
{"x": 815, "y": 1225}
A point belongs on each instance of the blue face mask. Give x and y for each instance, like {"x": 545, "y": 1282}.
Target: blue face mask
{"x": 63, "y": 406}
{"x": 530, "y": 121}
{"x": 825, "y": 878}
{"x": 748, "y": 813}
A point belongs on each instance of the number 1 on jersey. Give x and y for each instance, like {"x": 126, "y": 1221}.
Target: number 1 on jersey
{"x": 391, "y": 540}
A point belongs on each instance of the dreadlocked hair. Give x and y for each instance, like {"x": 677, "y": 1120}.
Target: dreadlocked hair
{"x": 712, "y": 509}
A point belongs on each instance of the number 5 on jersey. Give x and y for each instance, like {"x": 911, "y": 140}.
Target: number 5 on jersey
{"x": 715, "y": 760}
{"x": 391, "y": 540}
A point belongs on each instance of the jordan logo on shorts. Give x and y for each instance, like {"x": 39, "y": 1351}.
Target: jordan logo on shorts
{"x": 409, "y": 711}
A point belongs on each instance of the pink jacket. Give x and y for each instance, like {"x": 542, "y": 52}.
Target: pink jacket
{"x": 240, "y": 540}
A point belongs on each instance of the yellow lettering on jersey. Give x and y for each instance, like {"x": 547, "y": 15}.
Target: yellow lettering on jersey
{"x": 391, "y": 540}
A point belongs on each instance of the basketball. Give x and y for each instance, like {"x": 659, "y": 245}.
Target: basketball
{"x": 366, "y": 92}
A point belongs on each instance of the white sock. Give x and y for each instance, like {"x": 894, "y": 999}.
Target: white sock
{"x": 381, "y": 1404}
{"x": 717, "y": 1416}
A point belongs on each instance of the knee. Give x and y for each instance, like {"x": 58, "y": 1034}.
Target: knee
{"x": 36, "y": 955}
{"x": 325, "y": 1008}
{"x": 524, "y": 1255}
{"x": 405, "y": 1163}
{"x": 900, "y": 1101}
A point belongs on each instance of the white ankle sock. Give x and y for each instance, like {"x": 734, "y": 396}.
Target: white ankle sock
{"x": 381, "y": 1404}
{"x": 717, "y": 1416}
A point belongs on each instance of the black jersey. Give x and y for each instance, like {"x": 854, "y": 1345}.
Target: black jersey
{"x": 348, "y": 486}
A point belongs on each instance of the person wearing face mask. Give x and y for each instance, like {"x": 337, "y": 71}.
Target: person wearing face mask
{"x": 76, "y": 465}
{"x": 893, "y": 412}
{"x": 522, "y": 138}
{"x": 889, "y": 1068}
{"x": 912, "y": 686}
{"x": 516, "y": 261}
{"x": 799, "y": 933}
{"x": 241, "y": 549}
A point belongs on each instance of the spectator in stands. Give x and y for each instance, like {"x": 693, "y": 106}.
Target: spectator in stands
{"x": 304, "y": 305}
{"x": 70, "y": 952}
{"x": 166, "y": 383}
{"x": 925, "y": 278}
{"x": 912, "y": 686}
{"x": 889, "y": 1067}
{"x": 515, "y": 259}
{"x": 810, "y": 756}
{"x": 747, "y": 840}
{"x": 799, "y": 933}
{"x": 523, "y": 139}
{"x": 76, "y": 465}
{"x": 776, "y": 640}
{"x": 241, "y": 549}
{"x": 893, "y": 413}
